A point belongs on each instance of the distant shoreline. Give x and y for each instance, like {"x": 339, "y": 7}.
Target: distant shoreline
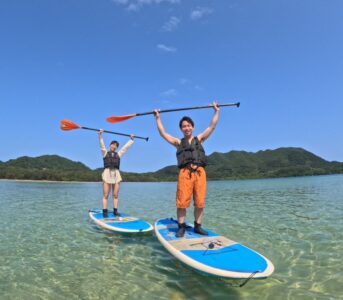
{"x": 209, "y": 180}
{"x": 47, "y": 181}
{"x": 65, "y": 181}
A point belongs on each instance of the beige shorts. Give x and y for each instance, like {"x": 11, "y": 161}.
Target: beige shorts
{"x": 111, "y": 176}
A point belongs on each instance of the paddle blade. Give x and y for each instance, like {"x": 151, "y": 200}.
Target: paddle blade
{"x": 68, "y": 125}
{"x": 120, "y": 118}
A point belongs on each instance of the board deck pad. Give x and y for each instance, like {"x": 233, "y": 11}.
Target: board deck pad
{"x": 124, "y": 223}
{"x": 212, "y": 254}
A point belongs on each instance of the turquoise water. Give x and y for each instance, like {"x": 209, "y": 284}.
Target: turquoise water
{"x": 50, "y": 250}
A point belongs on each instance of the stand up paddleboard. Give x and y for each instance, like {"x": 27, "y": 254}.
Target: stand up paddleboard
{"x": 124, "y": 224}
{"x": 212, "y": 254}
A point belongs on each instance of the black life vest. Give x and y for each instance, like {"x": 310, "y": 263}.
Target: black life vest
{"x": 112, "y": 160}
{"x": 193, "y": 153}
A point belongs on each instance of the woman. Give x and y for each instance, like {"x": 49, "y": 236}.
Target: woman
{"x": 111, "y": 176}
{"x": 191, "y": 162}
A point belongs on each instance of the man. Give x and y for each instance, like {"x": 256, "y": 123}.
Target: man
{"x": 191, "y": 162}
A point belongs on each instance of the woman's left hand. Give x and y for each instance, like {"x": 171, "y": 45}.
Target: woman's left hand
{"x": 216, "y": 106}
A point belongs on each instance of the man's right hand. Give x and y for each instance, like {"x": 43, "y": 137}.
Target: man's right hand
{"x": 157, "y": 113}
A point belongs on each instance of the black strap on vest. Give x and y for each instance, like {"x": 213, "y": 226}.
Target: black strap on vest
{"x": 193, "y": 153}
{"x": 112, "y": 160}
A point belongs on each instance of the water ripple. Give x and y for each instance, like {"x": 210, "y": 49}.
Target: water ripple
{"x": 50, "y": 250}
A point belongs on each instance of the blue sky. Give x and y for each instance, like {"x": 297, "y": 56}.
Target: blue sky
{"x": 85, "y": 60}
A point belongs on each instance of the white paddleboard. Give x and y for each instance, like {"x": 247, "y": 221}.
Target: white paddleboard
{"x": 125, "y": 223}
{"x": 212, "y": 254}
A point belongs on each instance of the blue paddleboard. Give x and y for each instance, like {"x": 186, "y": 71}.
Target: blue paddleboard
{"x": 124, "y": 224}
{"x": 212, "y": 254}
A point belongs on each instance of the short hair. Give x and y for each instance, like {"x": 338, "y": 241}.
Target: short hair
{"x": 115, "y": 142}
{"x": 187, "y": 119}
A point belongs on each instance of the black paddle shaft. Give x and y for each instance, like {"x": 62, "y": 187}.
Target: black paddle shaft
{"x": 117, "y": 133}
{"x": 188, "y": 108}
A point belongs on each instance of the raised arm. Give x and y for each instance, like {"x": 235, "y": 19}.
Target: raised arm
{"x": 102, "y": 144}
{"x": 126, "y": 146}
{"x": 170, "y": 139}
{"x": 207, "y": 132}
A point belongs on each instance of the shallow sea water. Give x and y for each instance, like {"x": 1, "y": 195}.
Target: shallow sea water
{"x": 49, "y": 249}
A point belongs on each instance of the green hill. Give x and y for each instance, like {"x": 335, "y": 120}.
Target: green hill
{"x": 46, "y": 167}
{"x": 47, "y": 162}
{"x": 281, "y": 162}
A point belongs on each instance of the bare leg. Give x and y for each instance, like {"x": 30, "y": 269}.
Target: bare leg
{"x": 198, "y": 213}
{"x": 106, "y": 191}
{"x": 115, "y": 195}
{"x": 181, "y": 215}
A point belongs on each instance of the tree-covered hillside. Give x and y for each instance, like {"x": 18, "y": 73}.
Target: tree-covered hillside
{"x": 282, "y": 162}
{"x": 46, "y": 167}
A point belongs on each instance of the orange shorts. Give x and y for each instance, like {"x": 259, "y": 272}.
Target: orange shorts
{"x": 191, "y": 183}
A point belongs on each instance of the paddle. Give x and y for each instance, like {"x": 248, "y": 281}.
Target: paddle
{"x": 116, "y": 119}
{"x": 69, "y": 125}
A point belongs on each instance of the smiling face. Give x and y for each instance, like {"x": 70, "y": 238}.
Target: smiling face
{"x": 186, "y": 125}
{"x": 114, "y": 146}
{"x": 187, "y": 128}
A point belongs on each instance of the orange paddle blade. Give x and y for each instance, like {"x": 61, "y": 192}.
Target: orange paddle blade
{"x": 120, "y": 119}
{"x": 68, "y": 125}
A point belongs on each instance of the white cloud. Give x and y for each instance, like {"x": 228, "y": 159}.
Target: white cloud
{"x": 187, "y": 83}
{"x": 169, "y": 93}
{"x": 171, "y": 24}
{"x": 184, "y": 81}
{"x": 200, "y": 12}
{"x": 158, "y": 1}
{"x": 135, "y": 5}
{"x": 166, "y": 48}
{"x": 120, "y": 1}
